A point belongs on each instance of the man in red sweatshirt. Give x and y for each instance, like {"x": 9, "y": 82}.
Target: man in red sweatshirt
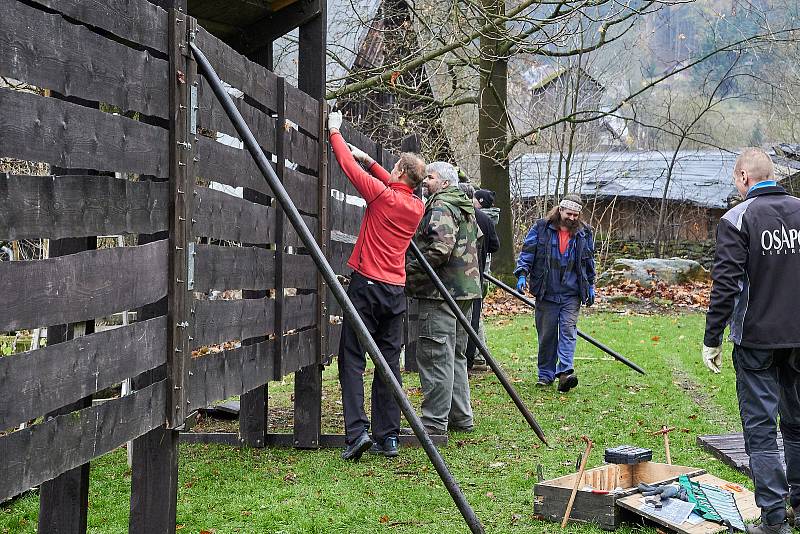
{"x": 376, "y": 288}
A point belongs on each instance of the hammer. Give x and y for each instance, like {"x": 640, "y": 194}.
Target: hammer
{"x": 665, "y": 432}
{"x": 589, "y": 445}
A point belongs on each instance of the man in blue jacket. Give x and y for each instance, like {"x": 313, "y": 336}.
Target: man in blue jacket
{"x": 756, "y": 291}
{"x": 557, "y": 263}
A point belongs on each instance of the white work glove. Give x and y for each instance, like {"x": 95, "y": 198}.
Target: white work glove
{"x": 712, "y": 357}
{"x": 359, "y": 154}
{"x": 335, "y": 120}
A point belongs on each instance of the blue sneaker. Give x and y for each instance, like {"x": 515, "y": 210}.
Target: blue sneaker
{"x": 354, "y": 450}
{"x": 388, "y": 448}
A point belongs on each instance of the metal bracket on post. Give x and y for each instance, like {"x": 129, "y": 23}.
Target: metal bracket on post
{"x": 183, "y": 76}
{"x": 323, "y": 317}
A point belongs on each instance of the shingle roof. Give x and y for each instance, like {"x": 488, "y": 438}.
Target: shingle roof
{"x": 699, "y": 177}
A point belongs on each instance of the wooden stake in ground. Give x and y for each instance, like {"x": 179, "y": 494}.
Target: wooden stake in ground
{"x": 665, "y": 432}
{"x": 589, "y": 445}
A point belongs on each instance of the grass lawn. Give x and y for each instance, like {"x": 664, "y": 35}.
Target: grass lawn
{"x": 226, "y": 490}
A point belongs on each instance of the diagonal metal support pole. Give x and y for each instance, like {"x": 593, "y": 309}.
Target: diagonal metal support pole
{"x": 325, "y": 269}
{"x": 532, "y": 304}
{"x": 498, "y": 371}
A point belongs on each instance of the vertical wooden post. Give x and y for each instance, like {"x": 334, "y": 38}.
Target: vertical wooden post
{"x": 280, "y": 227}
{"x": 308, "y": 381}
{"x": 254, "y": 404}
{"x": 154, "y": 481}
{"x": 64, "y": 501}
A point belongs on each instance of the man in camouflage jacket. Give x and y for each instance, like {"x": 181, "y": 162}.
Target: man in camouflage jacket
{"x": 448, "y": 238}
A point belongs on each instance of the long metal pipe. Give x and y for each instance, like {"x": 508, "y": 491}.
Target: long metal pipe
{"x": 532, "y": 304}
{"x": 473, "y": 335}
{"x": 384, "y": 371}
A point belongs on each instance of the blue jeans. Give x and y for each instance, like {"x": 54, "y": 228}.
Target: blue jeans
{"x": 557, "y": 330}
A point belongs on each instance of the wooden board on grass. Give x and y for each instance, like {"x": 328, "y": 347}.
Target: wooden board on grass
{"x": 745, "y": 500}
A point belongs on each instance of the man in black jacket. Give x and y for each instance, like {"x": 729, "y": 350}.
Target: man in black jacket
{"x": 488, "y": 244}
{"x": 756, "y": 290}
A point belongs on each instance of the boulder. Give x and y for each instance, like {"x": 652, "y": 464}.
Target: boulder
{"x": 671, "y": 271}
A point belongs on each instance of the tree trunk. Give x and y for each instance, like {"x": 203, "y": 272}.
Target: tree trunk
{"x": 493, "y": 134}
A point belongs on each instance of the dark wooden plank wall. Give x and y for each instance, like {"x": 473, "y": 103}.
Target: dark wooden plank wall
{"x": 30, "y": 457}
{"x": 232, "y": 372}
{"x": 43, "y": 380}
{"x": 73, "y": 135}
{"x": 50, "y": 52}
{"x": 77, "y": 137}
{"x": 77, "y": 206}
{"x": 138, "y": 21}
{"x": 222, "y": 216}
{"x": 81, "y": 286}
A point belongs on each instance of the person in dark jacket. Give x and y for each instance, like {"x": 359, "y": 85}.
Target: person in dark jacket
{"x": 558, "y": 256}
{"x": 377, "y": 288}
{"x": 488, "y": 244}
{"x": 756, "y": 291}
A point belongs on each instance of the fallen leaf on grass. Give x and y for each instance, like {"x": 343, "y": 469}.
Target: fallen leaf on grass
{"x": 384, "y": 519}
{"x": 496, "y": 465}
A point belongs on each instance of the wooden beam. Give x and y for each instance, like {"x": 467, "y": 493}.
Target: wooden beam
{"x": 308, "y": 381}
{"x": 280, "y": 22}
{"x": 254, "y": 403}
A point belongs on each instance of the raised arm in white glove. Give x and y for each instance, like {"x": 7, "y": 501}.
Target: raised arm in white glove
{"x": 335, "y": 120}
{"x": 712, "y": 357}
{"x": 360, "y": 155}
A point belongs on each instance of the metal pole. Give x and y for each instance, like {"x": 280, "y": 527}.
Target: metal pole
{"x": 529, "y": 302}
{"x": 324, "y": 267}
{"x": 478, "y": 343}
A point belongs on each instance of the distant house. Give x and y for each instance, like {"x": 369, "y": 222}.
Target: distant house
{"x": 624, "y": 190}
{"x": 788, "y": 156}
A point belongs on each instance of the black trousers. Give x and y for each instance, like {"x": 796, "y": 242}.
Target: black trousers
{"x": 381, "y": 307}
{"x": 768, "y": 386}
{"x": 475, "y": 321}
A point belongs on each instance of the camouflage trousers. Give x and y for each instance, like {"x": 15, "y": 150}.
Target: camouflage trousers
{"x": 443, "y": 366}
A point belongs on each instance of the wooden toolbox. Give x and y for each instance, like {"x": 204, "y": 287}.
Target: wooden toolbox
{"x": 551, "y": 496}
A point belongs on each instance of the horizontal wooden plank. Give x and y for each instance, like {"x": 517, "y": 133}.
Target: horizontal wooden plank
{"x": 338, "y": 254}
{"x": 327, "y": 441}
{"x": 37, "y": 128}
{"x": 81, "y": 286}
{"x": 336, "y": 176}
{"x": 346, "y": 217}
{"x": 228, "y": 165}
{"x": 301, "y": 149}
{"x": 232, "y": 372}
{"x": 303, "y": 189}
{"x": 233, "y": 68}
{"x": 211, "y": 116}
{"x": 299, "y": 312}
{"x": 360, "y": 140}
{"x": 45, "y": 50}
{"x": 299, "y": 271}
{"x": 38, "y": 382}
{"x": 216, "y": 438}
{"x": 299, "y": 351}
{"x": 303, "y": 110}
{"x": 43, "y": 451}
{"x": 222, "y": 216}
{"x": 138, "y": 21}
{"x": 290, "y": 236}
{"x": 77, "y": 206}
{"x": 217, "y": 321}
{"x": 233, "y": 268}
